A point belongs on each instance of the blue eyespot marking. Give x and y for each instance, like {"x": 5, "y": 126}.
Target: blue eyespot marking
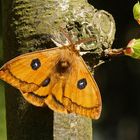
{"x": 81, "y": 84}
{"x": 35, "y": 64}
{"x": 46, "y": 82}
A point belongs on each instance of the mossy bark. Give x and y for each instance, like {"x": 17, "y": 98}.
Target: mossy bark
{"x": 28, "y": 26}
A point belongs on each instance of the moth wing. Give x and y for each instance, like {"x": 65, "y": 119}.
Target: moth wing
{"x": 50, "y": 95}
{"x": 79, "y": 99}
{"x": 67, "y": 97}
{"x": 53, "y": 99}
{"x": 33, "y": 99}
{"x": 27, "y": 74}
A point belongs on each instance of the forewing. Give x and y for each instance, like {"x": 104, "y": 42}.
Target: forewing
{"x": 28, "y": 71}
{"x": 81, "y": 93}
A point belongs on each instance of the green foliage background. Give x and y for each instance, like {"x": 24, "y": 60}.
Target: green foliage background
{"x": 2, "y": 105}
{"x": 2, "y": 97}
{"x": 2, "y": 113}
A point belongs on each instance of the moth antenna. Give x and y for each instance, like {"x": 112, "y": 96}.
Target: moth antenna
{"x": 85, "y": 40}
{"x": 77, "y": 42}
{"x": 56, "y": 43}
{"x": 68, "y": 42}
{"x": 67, "y": 36}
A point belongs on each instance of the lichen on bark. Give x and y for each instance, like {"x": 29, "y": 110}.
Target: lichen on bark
{"x": 32, "y": 19}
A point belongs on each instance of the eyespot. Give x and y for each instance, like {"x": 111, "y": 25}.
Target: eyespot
{"x": 35, "y": 64}
{"x": 81, "y": 84}
{"x": 46, "y": 82}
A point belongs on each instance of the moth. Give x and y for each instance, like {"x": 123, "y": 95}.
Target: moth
{"x": 56, "y": 77}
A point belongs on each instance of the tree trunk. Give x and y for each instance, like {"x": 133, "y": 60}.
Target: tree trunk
{"x": 28, "y": 25}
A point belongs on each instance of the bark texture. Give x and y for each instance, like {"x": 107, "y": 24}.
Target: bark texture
{"x": 29, "y": 24}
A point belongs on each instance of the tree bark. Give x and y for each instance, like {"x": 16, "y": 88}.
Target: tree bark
{"x": 24, "y": 121}
{"x": 28, "y": 27}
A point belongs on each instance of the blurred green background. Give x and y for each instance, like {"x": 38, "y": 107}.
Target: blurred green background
{"x": 2, "y": 111}
{"x": 2, "y": 97}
